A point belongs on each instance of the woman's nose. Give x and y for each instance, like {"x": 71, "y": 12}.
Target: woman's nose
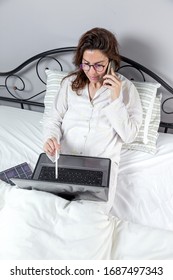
{"x": 92, "y": 69}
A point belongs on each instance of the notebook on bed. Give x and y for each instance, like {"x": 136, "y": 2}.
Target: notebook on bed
{"x": 22, "y": 170}
{"x": 78, "y": 177}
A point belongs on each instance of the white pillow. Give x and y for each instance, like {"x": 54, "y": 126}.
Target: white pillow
{"x": 54, "y": 78}
{"x": 152, "y": 133}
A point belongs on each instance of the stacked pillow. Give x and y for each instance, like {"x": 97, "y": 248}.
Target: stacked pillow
{"x": 151, "y": 104}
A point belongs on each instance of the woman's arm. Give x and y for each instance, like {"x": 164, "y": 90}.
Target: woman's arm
{"x": 125, "y": 113}
{"x": 52, "y": 123}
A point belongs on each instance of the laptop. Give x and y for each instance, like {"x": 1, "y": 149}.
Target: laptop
{"x": 79, "y": 177}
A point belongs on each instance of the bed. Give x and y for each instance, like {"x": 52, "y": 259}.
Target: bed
{"x": 39, "y": 225}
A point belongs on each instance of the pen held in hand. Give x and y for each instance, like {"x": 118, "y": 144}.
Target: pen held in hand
{"x": 56, "y": 164}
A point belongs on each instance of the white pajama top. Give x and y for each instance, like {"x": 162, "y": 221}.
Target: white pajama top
{"x": 96, "y": 127}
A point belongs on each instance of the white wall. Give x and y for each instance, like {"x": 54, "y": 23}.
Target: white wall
{"x": 143, "y": 28}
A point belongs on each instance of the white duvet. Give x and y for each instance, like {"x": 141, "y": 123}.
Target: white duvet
{"x": 38, "y": 225}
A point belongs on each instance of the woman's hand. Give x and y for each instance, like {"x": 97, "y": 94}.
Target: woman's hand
{"x": 112, "y": 82}
{"x": 50, "y": 146}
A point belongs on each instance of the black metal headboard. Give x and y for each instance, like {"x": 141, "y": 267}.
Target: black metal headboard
{"x": 13, "y": 83}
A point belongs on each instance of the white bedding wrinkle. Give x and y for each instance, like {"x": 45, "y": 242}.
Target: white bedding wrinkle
{"x": 4, "y": 189}
{"x": 136, "y": 242}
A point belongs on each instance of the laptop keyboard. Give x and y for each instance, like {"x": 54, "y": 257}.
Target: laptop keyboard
{"x": 72, "y": 176}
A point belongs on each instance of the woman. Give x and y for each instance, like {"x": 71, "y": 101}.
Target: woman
{"x": 94, "y": 111}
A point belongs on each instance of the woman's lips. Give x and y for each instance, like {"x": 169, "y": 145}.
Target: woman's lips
{"x": 94, "y": 78}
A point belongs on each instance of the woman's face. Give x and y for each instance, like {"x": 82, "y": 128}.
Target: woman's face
{"x": 94, "y": 65}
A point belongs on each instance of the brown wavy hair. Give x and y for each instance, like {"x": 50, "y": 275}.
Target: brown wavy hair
{"x": 95, "y": 39}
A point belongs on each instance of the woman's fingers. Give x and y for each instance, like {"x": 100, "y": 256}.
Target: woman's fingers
{"x": 51, "y": 145}
{"x": 111, "y": 78}
{"x": 113, "y": 83}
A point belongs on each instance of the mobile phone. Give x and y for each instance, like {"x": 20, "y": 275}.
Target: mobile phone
{"x": 110, "y": 65}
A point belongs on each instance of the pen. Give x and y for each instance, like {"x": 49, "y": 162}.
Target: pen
{"x": 56, "y": 164}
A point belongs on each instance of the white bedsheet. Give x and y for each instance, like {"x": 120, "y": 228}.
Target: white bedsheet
{"x": 37, "y": 225}
{"x": 20, "y": 137}
{"x": 144, "y": 191}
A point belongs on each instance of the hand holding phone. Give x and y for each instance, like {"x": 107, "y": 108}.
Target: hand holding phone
{"x": 112, "y": 81}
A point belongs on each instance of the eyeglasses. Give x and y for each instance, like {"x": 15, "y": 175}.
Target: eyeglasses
{"x": 97, "y": 67}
